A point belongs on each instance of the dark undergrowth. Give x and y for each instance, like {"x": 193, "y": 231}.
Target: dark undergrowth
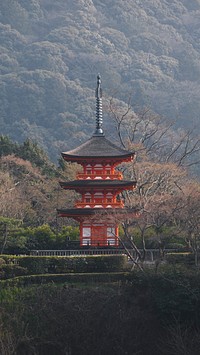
{"x": 141, "y": 313}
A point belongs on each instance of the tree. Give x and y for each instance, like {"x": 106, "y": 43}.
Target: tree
{"x": 8, "y": 226}
{"x": 150, "y": 135}
{"x": 188, "y": 217}
{"x": 158, "y": 185}
{"x": 25, "y": 193}
{"x": 7, "y": 146}
{"x": 160, "y": 171}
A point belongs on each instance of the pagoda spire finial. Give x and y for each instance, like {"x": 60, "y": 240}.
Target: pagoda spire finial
{"x": 99, "y": 118}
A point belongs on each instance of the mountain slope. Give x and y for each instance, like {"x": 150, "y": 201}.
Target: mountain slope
{"x": 52, "y": 51}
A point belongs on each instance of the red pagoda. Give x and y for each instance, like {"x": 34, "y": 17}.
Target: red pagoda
{"x": 99, "y": 185}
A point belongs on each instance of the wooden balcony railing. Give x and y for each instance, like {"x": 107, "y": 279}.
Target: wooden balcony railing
{"x": 119, "y": 204}
{"x": 115, "y": 176}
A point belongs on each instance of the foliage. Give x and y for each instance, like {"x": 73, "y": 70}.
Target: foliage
{"x": 20, "y": 239}
{"x": 41, "y": 237}
{"x": 11, "y": 222}
{"x": 7, "y": 226}
{"x": 66, "y": 236}
{"x": 66, "y": 279}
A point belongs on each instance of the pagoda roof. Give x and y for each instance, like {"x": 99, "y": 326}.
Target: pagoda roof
{"x": 97, "y": 147}
{"x": 84, "y": 212}
{"x": 97, "y": 184}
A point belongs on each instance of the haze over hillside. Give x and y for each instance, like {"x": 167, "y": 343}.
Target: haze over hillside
{"x": 52, "y": 51}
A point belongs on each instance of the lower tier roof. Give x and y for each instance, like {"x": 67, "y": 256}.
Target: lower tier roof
{"x": 88, "y": 212}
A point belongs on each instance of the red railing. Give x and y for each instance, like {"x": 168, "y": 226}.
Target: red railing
{"x": 119, "y": 204}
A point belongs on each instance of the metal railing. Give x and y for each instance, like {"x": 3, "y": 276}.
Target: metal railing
{"x": 151, "y": 254}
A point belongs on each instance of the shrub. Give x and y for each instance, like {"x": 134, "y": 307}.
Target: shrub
{"x": 65, "y": 278}
{"x": 180, "y": 258}
{"x": 2, "y": 261}
{"x": 10, "y": 271}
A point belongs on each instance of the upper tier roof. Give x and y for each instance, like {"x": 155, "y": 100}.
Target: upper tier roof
{"x": 97, "y": 147}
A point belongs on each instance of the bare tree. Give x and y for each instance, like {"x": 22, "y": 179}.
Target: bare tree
{"x": 188, "y": 217}
{"x": 149, "y": 132}
{"x": 157, "y": 186}
{"x": 26, "y": 194}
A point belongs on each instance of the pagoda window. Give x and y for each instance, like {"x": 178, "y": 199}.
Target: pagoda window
{"x": 87, "y": 197}
{"x": 97, "y": 194}
{"x": 111, "y": 235}
{"x": 88, "y": 169}
{"x": 98, "y": 197}
{"x": 98, "y": 169}
{"x": 98, "y": 173}
{"x": 86, "y": 241}
{"x": 111, "y": 241}
{"x": 110, "y": 231}
{"x": 108, "y": 169}
{"x": 87, "y": 194}
{"x": 109, "y": 197}
{"x": 86, "y": 231}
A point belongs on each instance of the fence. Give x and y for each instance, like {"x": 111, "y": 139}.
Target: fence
{"x": 151, "y": 254}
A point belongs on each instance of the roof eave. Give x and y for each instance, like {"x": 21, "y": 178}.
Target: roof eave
{"x": 77, "y": 158}
{"x": 97, "y": 185}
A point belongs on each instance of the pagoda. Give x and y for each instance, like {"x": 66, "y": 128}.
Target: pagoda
{"x": 100, "y": 208}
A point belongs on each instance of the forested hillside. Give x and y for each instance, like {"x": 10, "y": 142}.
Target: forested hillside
{"x": 51, "y": 52}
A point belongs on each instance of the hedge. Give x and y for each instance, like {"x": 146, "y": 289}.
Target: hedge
{"x": 66, "y": 264}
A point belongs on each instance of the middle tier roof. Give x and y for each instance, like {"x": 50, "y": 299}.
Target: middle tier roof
{"x": 80, "y": 185}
